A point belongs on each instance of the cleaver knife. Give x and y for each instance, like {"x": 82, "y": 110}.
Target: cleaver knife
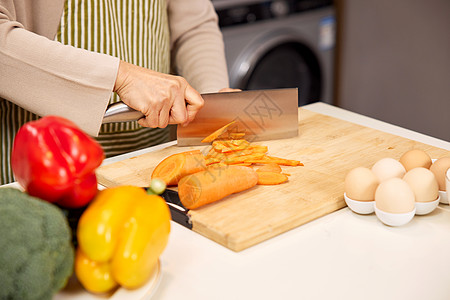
{"x": 261, "y": 114}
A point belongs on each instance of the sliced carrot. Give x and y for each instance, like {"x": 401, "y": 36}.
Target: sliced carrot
{"x": 216, "y": 133}
{"x": 236, "y": 135}
{"x": 211, "y": 160}
{"x": 239, "y": 142}
{"x": 243, "y": 164}
{"x": 281, "y": 161}
{"x": 229, "y": 145}
{"x": 212, "y": 152}
{"x": 214, "y": 184}
{"x": 240, "y": 152}
{"x": 270, "y": 167}
{"x": 285, "y": 162}
{"x": 216, "y": 155}
{"x": 176, "y": 166}
{"x": 270, "y": 178}
{"x": 242, "y": 158}
{"x": 258, "y": 148}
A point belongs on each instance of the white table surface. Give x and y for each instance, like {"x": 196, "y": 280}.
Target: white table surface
{"x": 340, "y": 256}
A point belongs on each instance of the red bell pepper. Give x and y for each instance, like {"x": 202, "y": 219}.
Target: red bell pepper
{"x": 54, "y": 160}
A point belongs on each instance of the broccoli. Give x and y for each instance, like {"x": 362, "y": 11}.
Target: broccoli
{"x": 36, "y": 253}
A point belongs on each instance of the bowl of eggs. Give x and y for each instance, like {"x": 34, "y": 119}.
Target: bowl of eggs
{"x": 447, "y": 183}
{"x": 439, "y": 168}
{"x": 397, "y": 190}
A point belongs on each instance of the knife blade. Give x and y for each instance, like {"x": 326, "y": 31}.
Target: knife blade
{"x": 261, "y": 114}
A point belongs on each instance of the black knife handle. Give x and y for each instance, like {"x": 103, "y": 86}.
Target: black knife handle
{"x": 178, "y": 211}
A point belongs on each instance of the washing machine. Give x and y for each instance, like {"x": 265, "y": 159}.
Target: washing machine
{"x": 280, "y": 44}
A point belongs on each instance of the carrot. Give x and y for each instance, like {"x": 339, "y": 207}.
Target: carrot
{"x": 285, "y": 162}
{"x": 216, "y": 133}
{"x": 176, "y": 166}
{"x": 270, "y": 167}
{"x": 258, "y": 148}
{"x": 281, "y": 161}
{"x": 215, "y": 183}
{"x": 230, "y": 145}
{"x": 242, "y": 164}
{"x": 236, "y": 135}
{"x": 270, "y": 178}
{"x": 211, "y": 160}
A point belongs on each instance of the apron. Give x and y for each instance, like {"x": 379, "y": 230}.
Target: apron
{"x": 136, "y": 31}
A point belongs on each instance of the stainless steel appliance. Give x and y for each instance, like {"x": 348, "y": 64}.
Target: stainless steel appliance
{"x": 280, "y": 44}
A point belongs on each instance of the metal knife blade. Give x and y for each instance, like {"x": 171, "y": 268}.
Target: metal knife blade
{"x": 261, "y": 114}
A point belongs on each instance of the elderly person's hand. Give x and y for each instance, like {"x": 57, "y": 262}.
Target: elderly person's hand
{"x": 163, "y": 99}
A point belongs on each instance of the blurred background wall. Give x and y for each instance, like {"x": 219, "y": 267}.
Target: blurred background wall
{"x": 393, "y": 62}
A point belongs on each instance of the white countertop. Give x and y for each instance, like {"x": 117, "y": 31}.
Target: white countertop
{"x": 340, "y": 256}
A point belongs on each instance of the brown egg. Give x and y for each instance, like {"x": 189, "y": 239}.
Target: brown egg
{"x": 415, "y": 158}
{"x": 439, "y": 167}
{"x": 387, "y": 168}
{"x": 423, "y": 183}
{"x": 394, "y": 196}
{"x": 360, "y": 184}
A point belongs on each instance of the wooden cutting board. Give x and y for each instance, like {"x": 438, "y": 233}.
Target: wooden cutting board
{"x": 327, "y": 146}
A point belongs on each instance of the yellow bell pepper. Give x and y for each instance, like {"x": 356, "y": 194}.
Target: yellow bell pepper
{"x": 120, "y": 237}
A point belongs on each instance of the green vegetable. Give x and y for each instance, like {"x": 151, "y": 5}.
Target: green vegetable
{"x": 157, "y": 187}
{"x": 36, "y": 253}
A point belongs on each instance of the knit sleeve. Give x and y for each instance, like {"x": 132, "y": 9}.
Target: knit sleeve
{"x": 48, "y": 78}
{"x": 197, "y": 44}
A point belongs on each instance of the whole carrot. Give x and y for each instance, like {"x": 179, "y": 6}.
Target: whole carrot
{"x": 214, "y": 183}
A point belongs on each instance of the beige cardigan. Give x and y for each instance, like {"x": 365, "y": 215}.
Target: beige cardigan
{"x": 46, "y": 77}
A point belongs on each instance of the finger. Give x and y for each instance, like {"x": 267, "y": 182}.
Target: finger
{"x": 194, "y": 103}
{"x": 163, "y": 119}
{"x": 178, "y": 112}
{"x": 151, "y": 114}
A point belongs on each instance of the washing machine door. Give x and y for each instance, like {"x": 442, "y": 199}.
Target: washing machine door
{"x": 279, "y": 59}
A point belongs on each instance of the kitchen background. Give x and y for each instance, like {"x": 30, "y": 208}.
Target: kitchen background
{"x": 389, "y": 60}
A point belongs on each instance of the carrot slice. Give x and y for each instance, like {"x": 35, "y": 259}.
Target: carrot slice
{"x": 281, "y": 161}
{"x": 270, "y": 167}
{"x": 211, "y": 160}
{"x": 285, "y": 162}
{"x": 258, "y": 148}
{"x": 241, "y": 158}
{"x": 243, "y": 164}
{"x": 176, "y": 166}
{"x": 270, "y": 178}
{"x": 216, "y": 133}
{"x": 214, "y": 184}
{"x": 236, "y": 135}
{"x": 229, "y": 145}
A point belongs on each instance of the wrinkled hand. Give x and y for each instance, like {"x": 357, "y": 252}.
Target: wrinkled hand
{"x": 163, "y": 99}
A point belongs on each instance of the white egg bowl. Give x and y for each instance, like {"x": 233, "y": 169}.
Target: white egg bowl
{"x": 442, "y": 194}
{"x": 444, "y": 197}
{"x": 447, "y": 185}
{"x": 423, "y": 208}
{"x": 394, "y": 219}
{"x": 360, "y": 207}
